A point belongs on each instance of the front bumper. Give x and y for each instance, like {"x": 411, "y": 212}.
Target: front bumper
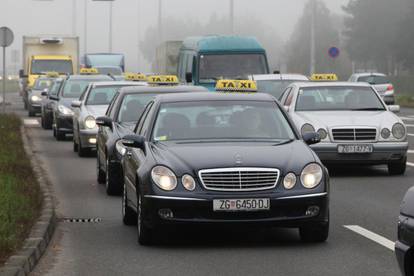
{"x": 88, "y": 138}
{"x": 382, "y": 153}
{"x": 64, "y": 123}
{"x": 404, "y": 258}
{"x": 284, "y": 211}
{"x": 35, "y": 106}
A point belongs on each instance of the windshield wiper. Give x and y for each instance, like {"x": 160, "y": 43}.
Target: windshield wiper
{"x": 367, "y": 109}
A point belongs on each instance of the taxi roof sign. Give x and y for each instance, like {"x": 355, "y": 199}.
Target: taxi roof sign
{"x": 135, "y": 77}
{"x": 89, "y": 71}
{"x": 324, "y": 77}
{"x": 236, "y": 86}
{"x": 162, "y": 80}
{"x": 52, "y": 74}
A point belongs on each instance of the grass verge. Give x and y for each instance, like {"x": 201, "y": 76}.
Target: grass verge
{"x": 405, "y": 100}
{"x": 11, "y": 86}
{"x": 20, "y": 196}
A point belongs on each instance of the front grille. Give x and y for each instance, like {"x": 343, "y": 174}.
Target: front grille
{"x": 354, "y": 134}
{"x": 239, "y": 179}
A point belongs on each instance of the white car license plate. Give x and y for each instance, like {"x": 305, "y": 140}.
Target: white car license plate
{"x": 357, "y": 148}
{"x": 247, "y": 204}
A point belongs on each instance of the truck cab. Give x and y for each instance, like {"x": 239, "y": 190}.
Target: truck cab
{"x": 40, "y": 65}
{"x": 204, "y": 60}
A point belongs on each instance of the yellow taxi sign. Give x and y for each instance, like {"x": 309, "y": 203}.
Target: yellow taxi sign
{"x": 236, "y": 86}
{"x": 162, "y": 80}
{"x": 324, "y": 77}
{"x": 52, "y": 74}
{"x": 89, "y": 71}
{"x": 135, "y": 77}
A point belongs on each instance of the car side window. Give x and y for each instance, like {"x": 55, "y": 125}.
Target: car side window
{"x": 289, "y": 96}
{"x": 284, "y": 94}
{"x": 82, "y": 97}
{"x": 110, "y": 111}
{"x": 142, "y": 118}
{"x": 145, "y": 127}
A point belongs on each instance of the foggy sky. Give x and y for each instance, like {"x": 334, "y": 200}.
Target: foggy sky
{"x": 131, "y": 18}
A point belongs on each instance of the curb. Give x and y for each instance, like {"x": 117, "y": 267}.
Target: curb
{"x": 24, "y": 261}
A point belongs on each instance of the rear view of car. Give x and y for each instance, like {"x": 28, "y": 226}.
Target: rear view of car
{"x": 380, "y": 82}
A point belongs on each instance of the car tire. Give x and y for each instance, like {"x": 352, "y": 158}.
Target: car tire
{"x": 47, "y": 123}
{"x": 110, "y": 180}
{"x": 75, "y": 145}
{"x": 60, "y": 136}
{"x": 25, "y": 105}
{"x": 145, "y": 234}
{"x": 30, "y": 112}
{"x": 314, "y": 233}
{"x": 397, "y": 167}
{"x": 100, "y": 174}
{"x": 129, "y": 217}
{"x": 42, "y": 122}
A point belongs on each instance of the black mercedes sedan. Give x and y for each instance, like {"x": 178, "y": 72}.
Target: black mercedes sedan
{"x": 404, "y": 247}
{"x": 222, "y": 158}
{"x": 120, "y": 120}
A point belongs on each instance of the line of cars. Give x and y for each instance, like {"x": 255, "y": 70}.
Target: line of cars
{"x": 180, "y": 155}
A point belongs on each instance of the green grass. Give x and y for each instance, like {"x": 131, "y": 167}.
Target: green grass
{"x": 405, "y": 100}
{"x": 20, "y": 197}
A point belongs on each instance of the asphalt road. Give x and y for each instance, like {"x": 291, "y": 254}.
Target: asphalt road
{"x": 364, "y": 197}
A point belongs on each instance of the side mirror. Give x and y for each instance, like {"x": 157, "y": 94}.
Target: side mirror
{"x": 45, "y": 92}
{"x": 394, "y": 108}
{"x": 189, "y": 77}
{"x": 311, "y": 138}
{"x": 76, "y": 104}
{"x": 104, "y": 121}
{"x": 134, "y": 141}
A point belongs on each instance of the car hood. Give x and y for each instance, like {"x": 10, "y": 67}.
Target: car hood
{"x": 190, "y": 158}
{"x": 96, "y": 110}
{"x": 329, "y": 119}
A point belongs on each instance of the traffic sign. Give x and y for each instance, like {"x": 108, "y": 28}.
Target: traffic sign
{"x": 334, "y": 52}
{"x": 6, "y": 37}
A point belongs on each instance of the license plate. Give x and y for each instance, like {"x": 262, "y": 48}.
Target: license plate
{"x": 247, "y": 204}
{"x": 358, "y": 148}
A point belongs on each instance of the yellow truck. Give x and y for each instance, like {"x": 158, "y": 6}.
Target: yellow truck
{"x": 42, "y": 54}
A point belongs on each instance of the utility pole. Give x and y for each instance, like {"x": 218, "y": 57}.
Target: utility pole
{"x": 138, "y": 34}
{"x": 160, "y": 27}
{"x": 85, "y": 28}
{"x": 74, "y": 17}
{"x": 111, "y": 4}
{"x": 231, "y": 16}
{"x": 312, "y": 38}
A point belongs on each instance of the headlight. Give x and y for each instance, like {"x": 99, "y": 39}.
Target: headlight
{"x": 35, "y": 98}
{"x": 164, "y": 178}
{"x": 64, "y": 110}
{"x": 398, "y": 131}
{"x": 306, "y": 128}
{"x": 90, "y": 122}
{"x": 289, "y": 181}
{"x": 120, "y": 148}
{"x": 322, "y": 133}
{"x": 385, "y": 133}
{"x": 311, "y": 176}
{"x": 188, "y": 182}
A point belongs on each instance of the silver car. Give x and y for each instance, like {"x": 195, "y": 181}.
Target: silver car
{"x": 92, "y": 104}
{"x": 275, "y": 84}
{"x": 380, "y": 82}
{"x": 354, "y": 124}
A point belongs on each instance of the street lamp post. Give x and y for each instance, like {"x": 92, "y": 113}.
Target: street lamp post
{"x": 85, "y": 28}
{"x": 74, "y": 17}
{"x": 160, "y": 27}
{"x": 312, "y": 38}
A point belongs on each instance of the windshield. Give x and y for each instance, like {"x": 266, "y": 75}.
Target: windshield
{"x": 338, "y": 98}
{"x": 374, "y": 79}
{"x": 40, "y": 67}
{"x": 132, "y": 107}
{"x": 42, "y": 84}
{"x": 116, "y": 71}
{"x": 273, "y": 87}
{"x": 55, "y": 87}
{"x": 101, "y": 95}
{"x": 221, "y": 120}
{"x": 213, "y": 67}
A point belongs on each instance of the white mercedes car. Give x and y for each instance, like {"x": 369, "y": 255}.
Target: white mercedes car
{"x": 354, "y": 123}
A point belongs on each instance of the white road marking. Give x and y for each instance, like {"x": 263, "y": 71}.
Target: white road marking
{"x": 31, "y": 122}
{"x": 372, "y": 236}
{"x": 409, "y": 134}
{"x": 409, "y": 125}
{"x": 410, "y": 164}
{"x": 410, "y": 151}
{"x": 407, "y": 118}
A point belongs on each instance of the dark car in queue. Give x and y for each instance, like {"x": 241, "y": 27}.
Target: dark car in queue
{"x": 33, "y": 101}
{"x": 222, "y": 158}
{"x": 404, "y": 247}
{"x": 46, "y": 109}
{"x": 120, "y": 120}
{"x": 71, "y": 89}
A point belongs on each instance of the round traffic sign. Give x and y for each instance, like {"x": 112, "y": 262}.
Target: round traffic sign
{"x": 334, "y": 52}
{"x": 6, "y": 37}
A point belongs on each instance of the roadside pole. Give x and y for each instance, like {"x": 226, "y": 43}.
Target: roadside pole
{"x": 6, "y": 39}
